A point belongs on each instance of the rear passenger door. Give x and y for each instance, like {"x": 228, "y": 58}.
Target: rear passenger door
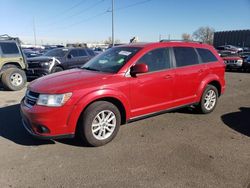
{"x": 189, "y": 74}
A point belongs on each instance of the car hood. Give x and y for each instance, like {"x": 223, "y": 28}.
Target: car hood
{"x": 40, "y": 59}
{"x": 67, "y": 81}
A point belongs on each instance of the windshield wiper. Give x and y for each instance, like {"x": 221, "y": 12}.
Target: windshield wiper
{"x": 90, "y": 68}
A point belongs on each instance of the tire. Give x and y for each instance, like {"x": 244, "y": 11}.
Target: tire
{"x": 13, "y": 79}
{"x": 56, "y": 69}
{"x": 208, "y": 100}
{"x": 92, "y": 128}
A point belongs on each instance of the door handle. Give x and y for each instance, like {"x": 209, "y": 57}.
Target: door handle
{"x": 168, "y": 76}
{"x": 201, "y": 70}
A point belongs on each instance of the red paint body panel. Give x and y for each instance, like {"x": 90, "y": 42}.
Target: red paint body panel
{"x": 140, "y": 95}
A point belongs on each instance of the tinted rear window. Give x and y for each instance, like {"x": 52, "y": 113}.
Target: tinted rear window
{"x": 185, "y": 56}
{"x": 9, "y": 48}
{"x": 206, "y": 55}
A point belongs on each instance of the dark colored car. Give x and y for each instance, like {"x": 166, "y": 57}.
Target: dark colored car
{"x": 29, "y": 53}
{"x": 58, "y": 59}
{"x": 246, "y": 60}
{"x": 123, "y": 84}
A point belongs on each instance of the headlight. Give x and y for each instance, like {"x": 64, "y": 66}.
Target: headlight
{"x": 45, "y": 64}
{"x": 53, "y": 100}
{"x": 240, "y": 62}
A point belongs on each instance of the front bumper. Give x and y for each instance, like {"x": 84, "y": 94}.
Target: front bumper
{"x": 37, "y": 72}
{"x": 54, "y": 120}
{"x": 233, "y": 66}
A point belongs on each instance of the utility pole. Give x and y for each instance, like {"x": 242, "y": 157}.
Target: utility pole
{"x": 34, "y": 30}
{"x": 113, "y": 34}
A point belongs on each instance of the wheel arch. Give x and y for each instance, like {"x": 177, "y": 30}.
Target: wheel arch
{"x": 211, "y": 80}
{"x": 117, "y": 99}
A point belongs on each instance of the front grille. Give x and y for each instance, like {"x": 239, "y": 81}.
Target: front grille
{"x": 231, "y": 61}
{"x": 34, "y": 65}
{"x": 30, "y": 98}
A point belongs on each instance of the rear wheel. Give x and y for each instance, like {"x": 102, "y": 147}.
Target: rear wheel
{"x": 208, "y": 100}
{"x": 100, "y": 123}
{"x": 13, "y": 79}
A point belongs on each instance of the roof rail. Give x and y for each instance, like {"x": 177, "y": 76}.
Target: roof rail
{"x": 164, "y": 40}
{"x": 7, "y": 37}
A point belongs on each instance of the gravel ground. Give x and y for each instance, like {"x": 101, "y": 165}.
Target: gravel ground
{"x": 177, "y": 149}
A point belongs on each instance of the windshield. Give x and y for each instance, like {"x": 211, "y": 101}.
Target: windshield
{"x": 56, "y": 53}
{"x": 112, "y": 60}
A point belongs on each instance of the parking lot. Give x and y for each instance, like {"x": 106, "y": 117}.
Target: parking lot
{"x": 177, "y": 149}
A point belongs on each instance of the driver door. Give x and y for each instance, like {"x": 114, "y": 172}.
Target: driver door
{"x": 153, "y": 91}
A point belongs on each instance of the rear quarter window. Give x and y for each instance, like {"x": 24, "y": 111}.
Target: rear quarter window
{"x": 185, "y": 56}
{"x": 206, "y": 55}
{"x": 9, "y": 48}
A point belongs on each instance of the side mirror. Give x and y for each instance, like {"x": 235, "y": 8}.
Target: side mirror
{"x": 139, "y": 69}
{"x": 70, "y": 56}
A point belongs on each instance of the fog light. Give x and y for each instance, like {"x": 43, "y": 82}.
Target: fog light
{"x": 42, "y": 129}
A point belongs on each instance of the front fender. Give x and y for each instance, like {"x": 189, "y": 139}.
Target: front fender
{"x": 93, "y": 96}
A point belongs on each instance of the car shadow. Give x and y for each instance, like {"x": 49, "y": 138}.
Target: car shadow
{"x": 11, "y": 127}
{"x": 187, "y": 110}
{"x": 238, "y": 121}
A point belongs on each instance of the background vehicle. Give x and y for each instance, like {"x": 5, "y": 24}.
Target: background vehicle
{"x": 233, "y": 49}
{"x": 233, "y": 62}
{"x": 58, "y": 59}
{"x": 246, "y": 60}
{"x": 124, "y": 83}
{"x": 12, "y": 63}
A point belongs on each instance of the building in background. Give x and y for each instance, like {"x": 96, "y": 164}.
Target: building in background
{"x": 236, "y": 38}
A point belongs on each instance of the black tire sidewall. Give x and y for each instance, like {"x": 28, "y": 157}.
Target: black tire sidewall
{"x": 56, "y": 69}
{"x": 88, "y": 117}
{"x": 6, "y": 79}
{"x": 202, "y": 102}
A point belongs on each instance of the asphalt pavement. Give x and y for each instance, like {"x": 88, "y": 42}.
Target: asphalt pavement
{"x": 176, "y": 149}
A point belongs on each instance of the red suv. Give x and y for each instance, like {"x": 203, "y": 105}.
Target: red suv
{"x": 120, "y": 85}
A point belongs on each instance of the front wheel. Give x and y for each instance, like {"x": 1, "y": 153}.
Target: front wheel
{"x": 13, "y": 79}
{"x": 208, "y": 100}
{"x": 100, "y": 123}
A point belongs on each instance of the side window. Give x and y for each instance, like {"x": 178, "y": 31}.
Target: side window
{"x": 82, "y": 52}
{"x": 158, "y": 59}
{"x": 206, "y": 55}
{"x": 185, "y": 56}
{"x": 73, "y": 53}
{"x": 91, "y": 52}
{"x": 9, "y": 48}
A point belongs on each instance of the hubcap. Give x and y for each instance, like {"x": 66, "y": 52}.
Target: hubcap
{"x": 210, "y": 100}
{"x": 103, "y": 125}
{"x": 16, "y": 79}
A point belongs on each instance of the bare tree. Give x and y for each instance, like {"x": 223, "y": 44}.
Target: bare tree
{"x": 204, "y": 34}
{"x": 186, "y": 36}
